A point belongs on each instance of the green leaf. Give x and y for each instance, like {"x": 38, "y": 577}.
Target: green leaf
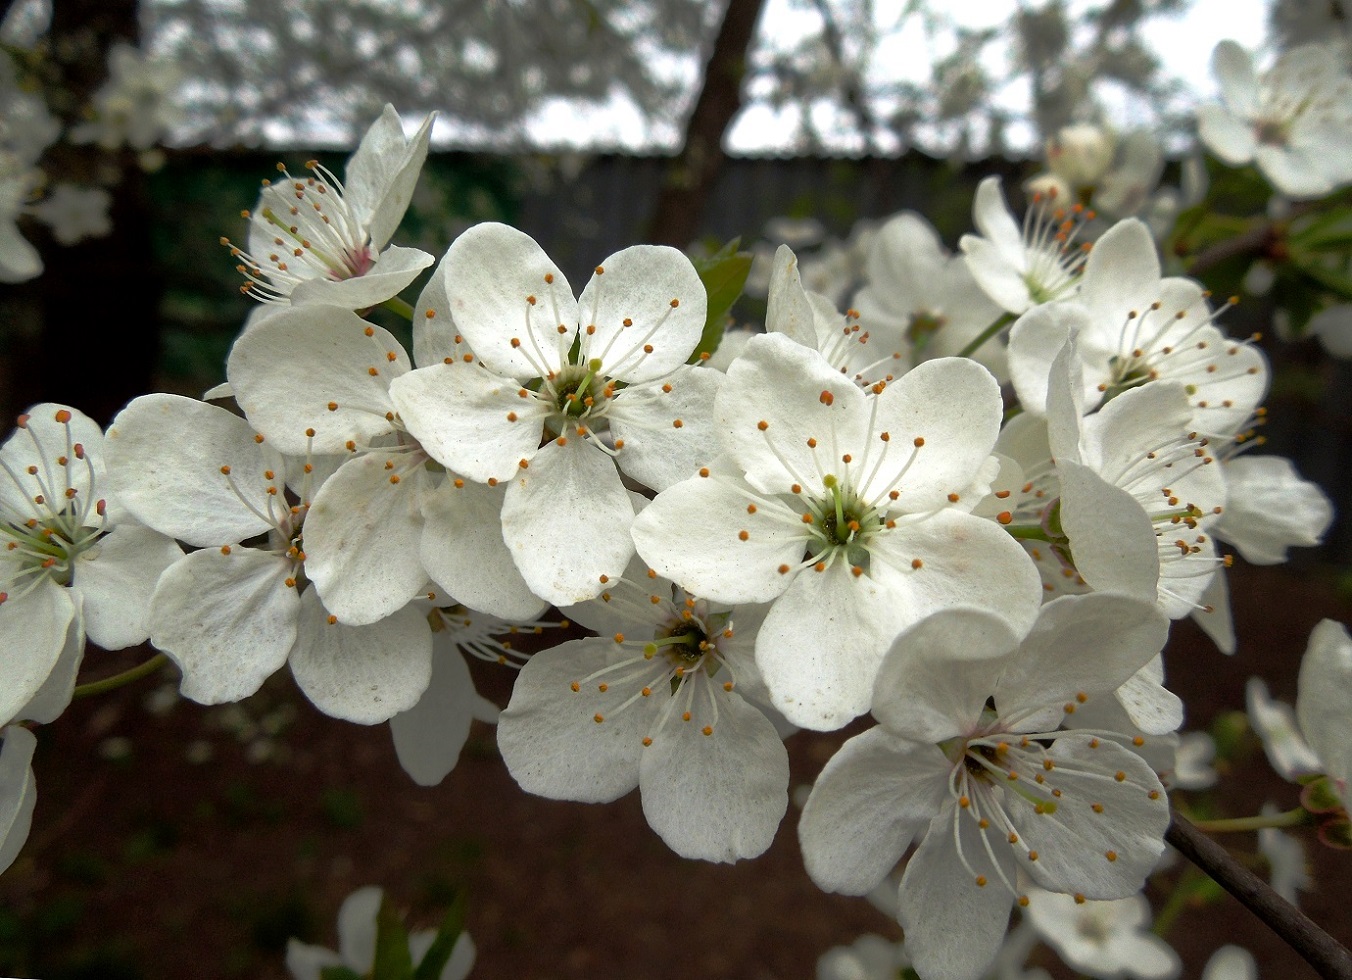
{"x": 724, "y": 276}
{"x": 440, "y": 951}
{"x": 1333, "y": 281}
{"x": 339, "y": 973}
{"x": 393, "y": 960}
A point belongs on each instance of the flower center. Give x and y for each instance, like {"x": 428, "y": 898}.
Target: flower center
{"x": 842, "y": 526}
{"x": 54, "y": 517}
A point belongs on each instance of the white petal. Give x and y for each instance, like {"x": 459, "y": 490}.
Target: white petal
{"x": 1214, "y": 616}
{"x": 1275, "y": 722}
{"x": 656, "y": 451}
{"x": 1269, "y": 509}
{"x": 964, "y": 560}
{"x": 306, "y": 962}
{"x": 469, "y": 419}
{"x": 40, "y": 442}
{"x": 1090, "y": 644}
{"x": 1034, "y": 341}
{"x": 691, "y": 534}
{"x": 872, "y": 798}
{"x": 363, "y": 535}
{"x": 1110, "y": 534}
{"x": 366, "y": 674}
{"x": 566, "y": 520}
{"x": 820, "y": 646}
{"x": 952, "y": 406}
{"x": 434, "y": 331}
{"x": 55, "y": 694}
{"x": 1333, "y": 327}
{"x": 428, "y": 736}
{"x": 1229, "y": 138}
{"x": 935, "y": 680}
{"x": 32, "y": 633}
{"x": 991, "y": 216}
{"x": 798, "y": 396}
{"x": 647, "y": 296}
{"x": 380, "y": 177}
{"x": 1100, "y": 854}
{"x": 166, "y": 454}
{"x": 1231, "y": 963}
{"x": 116, "y": 579}
{"x": 549, "y": 736}
{"x": 503, "y": 287}
{"x": 394, "y": 269}
{"x": 18, "y": 792}
{"x": 464, "y": 553}
{"x": 1324, "y": 701}
{"x": 1233, "y": 68}
{"x": 284, "y": 400}
{"x": 941, "y": 901}
{"x": 788, "y": 310}
{"x": 1152, "y": 707}
{"x": 716, "y": 797}
{"x": 1002, "y": 281}
{"x": 357, "y": 928}
{"x": 227, "y": 621}
{"x": 1122, "y": 272}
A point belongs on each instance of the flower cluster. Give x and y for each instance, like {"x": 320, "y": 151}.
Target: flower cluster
{"x": 970, "y": 507}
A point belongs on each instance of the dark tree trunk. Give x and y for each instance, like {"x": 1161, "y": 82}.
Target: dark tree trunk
{"x": 691, "y": 176}
{"x": 98, "y": 300}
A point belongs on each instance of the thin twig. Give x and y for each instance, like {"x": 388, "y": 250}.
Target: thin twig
{"x": 1328, "y": 957}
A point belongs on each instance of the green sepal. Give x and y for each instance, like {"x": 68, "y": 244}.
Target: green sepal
{"x": 724, "y": 276}
{"x": 439, "y": 953}
{"x": 1336, "y": 832}
{"x": 338, "y": 973}
{"x": 1319, "y": 796}
{"x": 393, "y": 960}
{"x": 1231, "y": 732}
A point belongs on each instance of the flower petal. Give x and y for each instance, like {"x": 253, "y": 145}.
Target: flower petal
{"x": 872, "y": 798}
{"x": 33, "y": 630}
{"x": 504, "y": 288}
{"x": 720, "y": 796}
{"x": 648, "y": 306}
{"x": 1323, "y": 704}
{"x": 116, "y": 579}
{"x": 566, "y": 520}
{"x": 941, "y": 901}
{"x": 227, "y": 620}
{"x": 691, "y": 534}
{"x": 550, "y": 738}
{"x": 367, "y": 674}
{"x": 343, "y": 391}
{"x": 1102, "y": 851}
{"x": 18, "y": 792}
{"x": 470, "y": 420}
{"x": 464, "y": 553}
{"x": 428, "y": 737}
{"x": 657, "y": 452}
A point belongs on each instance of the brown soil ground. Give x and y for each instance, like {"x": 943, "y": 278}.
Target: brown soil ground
{"x": 143, "y": 864}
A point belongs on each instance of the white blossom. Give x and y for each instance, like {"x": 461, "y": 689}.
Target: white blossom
{"x": 558, "y": 425}
{"x": 357, "y": 943}
{"x": 72, "y": 564}
{"x": 991, "y": 794}
{"x": 660, "y": 701}
{"x": 848, "y": 511}
{"x": 1294, "y": 120}
{"x": 316, "y": 239}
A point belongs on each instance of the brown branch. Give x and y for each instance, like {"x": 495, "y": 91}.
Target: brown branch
{"x": 1328, "y": 957}
{"x": 690, "y": 177}
{"x": 1256, "y": 241}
